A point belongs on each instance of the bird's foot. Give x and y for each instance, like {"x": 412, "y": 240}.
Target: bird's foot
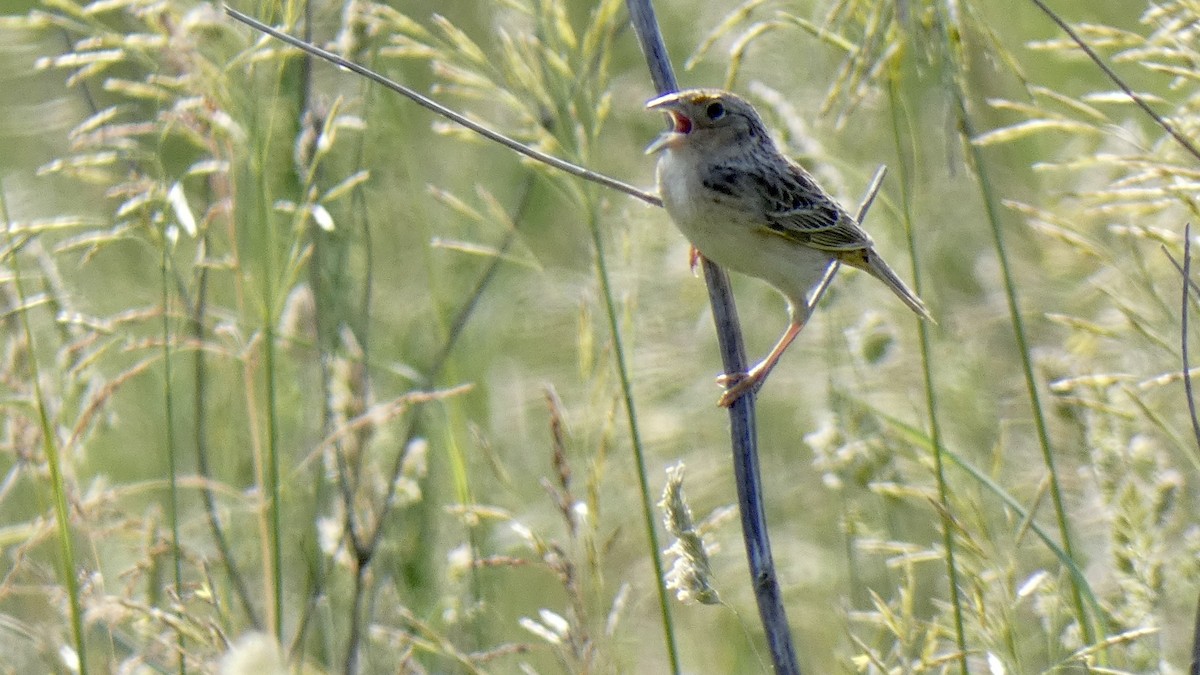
{"x": 738, "y": 385}
{"x": 693, "y": 258}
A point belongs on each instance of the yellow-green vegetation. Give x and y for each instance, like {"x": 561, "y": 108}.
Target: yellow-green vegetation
{"x": 297, "y": 377}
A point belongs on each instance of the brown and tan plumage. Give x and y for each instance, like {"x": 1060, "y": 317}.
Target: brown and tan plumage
{"x": 746, "y": 206}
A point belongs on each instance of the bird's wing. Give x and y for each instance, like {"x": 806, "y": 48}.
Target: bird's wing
{"x": 798, "y": 209}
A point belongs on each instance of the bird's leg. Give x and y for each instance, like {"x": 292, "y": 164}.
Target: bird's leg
{"x": 740, "y": 384}
{"x": 693, "y": 258}
{"x": 736, "y": 385}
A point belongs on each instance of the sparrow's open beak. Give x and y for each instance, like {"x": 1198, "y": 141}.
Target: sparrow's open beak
{"x": 681, "y": 125}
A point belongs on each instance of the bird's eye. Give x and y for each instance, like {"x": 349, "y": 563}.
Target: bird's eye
{"x": 715, "y": 111}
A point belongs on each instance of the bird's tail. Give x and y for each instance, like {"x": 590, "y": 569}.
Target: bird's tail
{"x": 871, "y": 262}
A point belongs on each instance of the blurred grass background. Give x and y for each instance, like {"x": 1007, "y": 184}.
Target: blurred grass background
{"x": 286, "y": 397}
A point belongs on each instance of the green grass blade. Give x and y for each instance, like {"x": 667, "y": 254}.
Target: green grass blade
{"x": 50, "y": 447}
{"x": 635, "y": 437}
{"x": 916, "y": 437}
{"x": 901, "y": 129}
{"x": 954, "y": 72}
{"x": 172, "y": 450}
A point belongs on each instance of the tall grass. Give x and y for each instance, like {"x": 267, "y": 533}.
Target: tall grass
{"x": 292, "y": 369}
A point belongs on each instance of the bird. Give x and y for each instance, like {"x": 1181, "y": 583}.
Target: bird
{"x": 745, "y": 205}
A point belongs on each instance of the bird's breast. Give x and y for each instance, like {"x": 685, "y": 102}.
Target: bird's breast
{"x": 696, "y": 193}
{"x": 708, "y": 204}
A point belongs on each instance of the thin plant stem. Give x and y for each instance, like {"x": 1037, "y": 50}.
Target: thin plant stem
{"x": 967, "y": 131}
{"x": 1194, "y": 669}
{"x": 363, "y": 554}
{"x": 459, "y": 118}
{"x": 271, "y": 486}
{"x": 172, "y": 450}
{"x": 871, "y": 193}
{"x": 1190, "y": 282}
{"x": 635, "y": 436}
{"x": 361, "y": 562}
{"x": 317, "y": 564}
{"x": 354, "y": 639}
{"x": 1183, "y": 141}
{"x": 743, "y": 426}
{"x": 1186, "y": 271}
{"x": 200, "y": 434}
{"x": 62, "y": 522}
{"x": 899, "y": 133}
{"x": 729, "y": 336}
{"x": 317, "y": 571}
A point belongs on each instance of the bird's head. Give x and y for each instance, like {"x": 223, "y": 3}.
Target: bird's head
{"x": 705, "y": 120}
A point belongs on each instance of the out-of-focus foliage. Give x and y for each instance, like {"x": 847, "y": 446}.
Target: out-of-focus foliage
{"x": 332, "y": 384}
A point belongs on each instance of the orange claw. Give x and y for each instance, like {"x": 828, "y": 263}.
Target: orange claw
{"x": 739, "y": 384}
{"x": 693, "y": 258}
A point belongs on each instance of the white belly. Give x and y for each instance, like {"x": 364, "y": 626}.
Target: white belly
{"x": 732, "y": 237}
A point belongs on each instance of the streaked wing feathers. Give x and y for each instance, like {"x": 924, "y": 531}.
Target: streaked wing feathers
{"x": 799, "y": 210}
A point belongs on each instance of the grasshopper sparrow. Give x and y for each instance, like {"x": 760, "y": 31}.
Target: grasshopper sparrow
{"x": 746, "y": 206}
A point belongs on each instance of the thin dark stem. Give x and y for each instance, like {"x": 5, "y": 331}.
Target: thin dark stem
{"x": 200, "y": 438}
{"x": 270, "y": 469}
{"x": 645, "y": 26}
{"x": 743, "y": 427}
{"x": 1195, "y": 668}
{"x": 362, "y": 213}
{"x": 1161, "y": 121}
{"x": 1186, "y": 271}
{"x": 430, "y": 104}
{"x": 310, "y": 115}
{"x": 356, "y": 619}
{"x": 1190, "y": 282}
